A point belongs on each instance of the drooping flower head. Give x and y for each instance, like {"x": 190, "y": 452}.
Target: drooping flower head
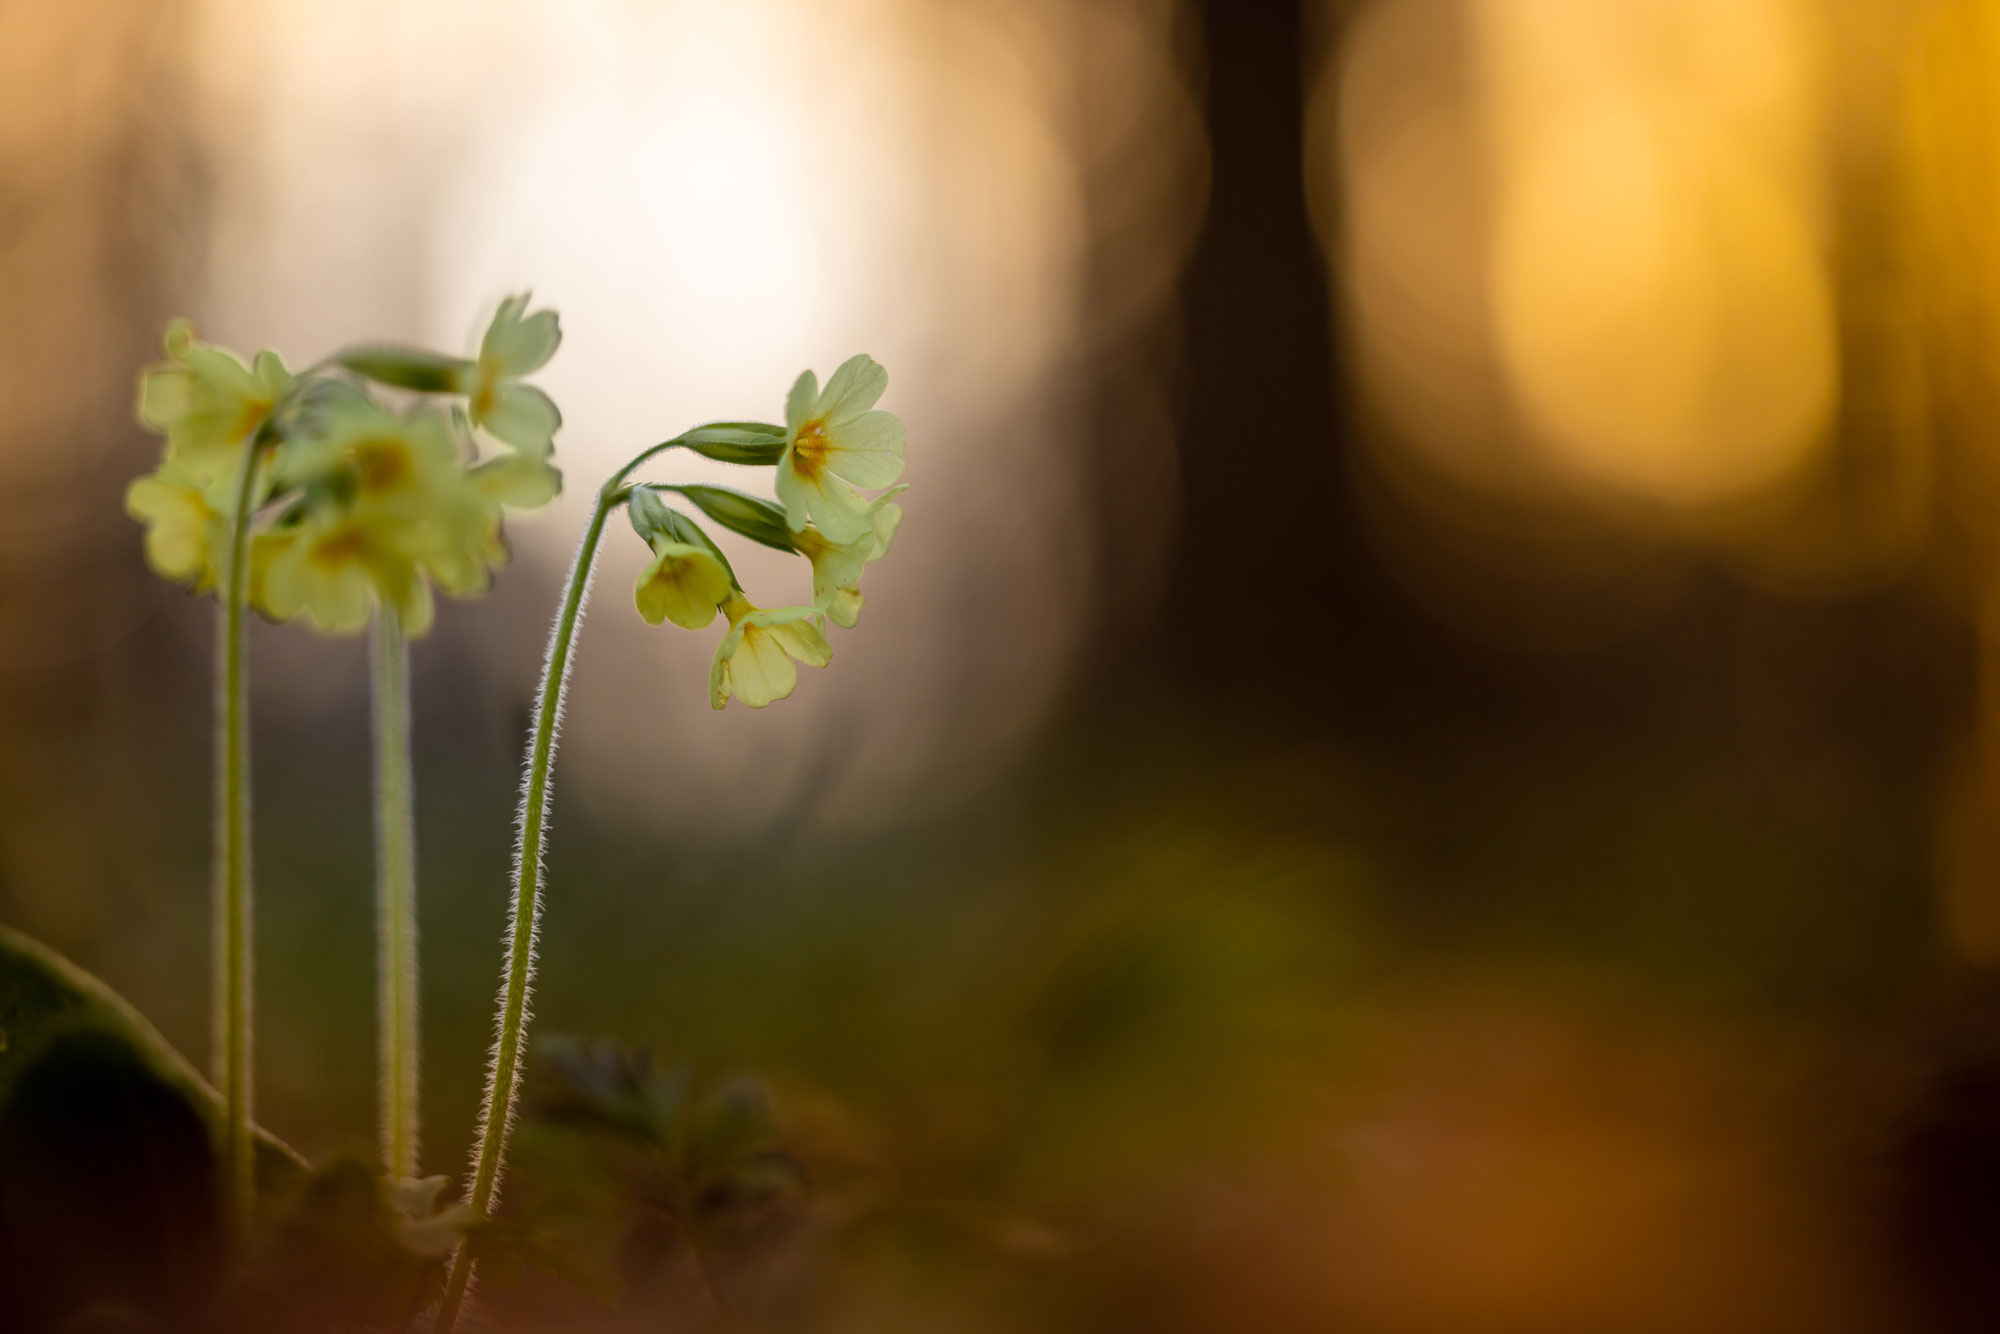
{"x": 689, "y": 577}
{"x": 683, "y": 584}
{"x": 837, "y": 441}
{"x": 833, "y": 443}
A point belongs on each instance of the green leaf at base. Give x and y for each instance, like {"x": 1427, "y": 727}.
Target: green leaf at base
{"x": 44, "y": 996}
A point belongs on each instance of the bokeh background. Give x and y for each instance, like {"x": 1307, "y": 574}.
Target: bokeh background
{"x": 1427, "y": 758}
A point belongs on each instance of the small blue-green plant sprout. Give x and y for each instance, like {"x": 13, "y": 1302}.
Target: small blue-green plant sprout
{"x": 306, "y": 496}
{"x": 832, "y": 444}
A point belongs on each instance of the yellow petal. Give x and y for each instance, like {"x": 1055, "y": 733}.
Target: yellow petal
{"x": 760, "y": 671}
{"x": 683, "y": 585}
{"x": 845, "y": 609}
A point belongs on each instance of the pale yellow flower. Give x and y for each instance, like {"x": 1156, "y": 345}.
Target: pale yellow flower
{"x": 207, "y": 402}
{"x": 185, "y": 527}
{"x": 684, "y": 584}
{"x": 837, "y": 566}
{"x": 754, "y": 661}
{"x": 371, "y": 506}
{"x": 333, "y": 566}
{"x": 361, "y": 454}
{"x": 465, "y": 546}
{"x": 518, "y": 481}
{"x": 517, "y": 344}
{"x": 836, "y": 441}
{"x": 401, "y": 478}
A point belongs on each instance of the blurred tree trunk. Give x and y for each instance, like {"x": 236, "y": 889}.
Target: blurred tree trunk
{"x": 1259, "y": 455}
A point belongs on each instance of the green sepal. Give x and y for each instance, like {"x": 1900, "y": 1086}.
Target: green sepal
{"x": 656, "y": 521}
{"x": 688, "y": 531}
{"x": 649, "y": 514}
{"x": 751, "y": 516}
{"x": 415, "y": 368}
{"x": 751, "y": 444}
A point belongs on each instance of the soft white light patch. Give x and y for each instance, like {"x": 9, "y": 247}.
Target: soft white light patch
{"x": 714, "y": 197}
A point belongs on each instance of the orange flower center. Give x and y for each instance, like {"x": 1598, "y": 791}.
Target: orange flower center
{"x": 383, "y": 465}
{"x": 810, "y": 449}
{"x": 338, "y": 548}
{"x": 484, "y": 392}
{"x": 250, "y": 417}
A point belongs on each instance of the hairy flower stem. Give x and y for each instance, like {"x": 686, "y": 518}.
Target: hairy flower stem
{"x": 232, "y": 857}
{"x": 395, "y": 896}
{"x": 503, "y": 1077}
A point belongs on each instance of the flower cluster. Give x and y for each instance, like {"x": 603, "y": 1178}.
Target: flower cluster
{"x": 834, "y": 442}
{"x": 360, "y": 502}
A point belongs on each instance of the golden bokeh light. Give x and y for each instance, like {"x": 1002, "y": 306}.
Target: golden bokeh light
{"x": 1661, "y": 306}
{"x": 1583, "y": 242}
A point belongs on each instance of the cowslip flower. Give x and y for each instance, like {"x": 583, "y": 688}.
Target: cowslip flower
{"x": 385, "y": 502}
{"x": 184, "y": 525}
{"x": 683, "y": 584}
{"x": 837, "y": 441}
{"x": 518, "y": 481}
{"x": 754, "y": 661}
{"x": 362, "y": 454}
{"x": 837, "y": 566}
{"x": 402, "y": 479}
{"x": 333, "y": 565}
{"x": 467, "y": 546}
{"x": 516, "y": 344}
{"x": 206, "y": 401}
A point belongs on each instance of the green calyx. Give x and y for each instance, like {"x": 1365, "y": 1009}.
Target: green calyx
{"x": 749, "y": 516}
{"x": 661, "y": 526}
{"x": 413, "y": 368}
{"x": 751, "y": 444}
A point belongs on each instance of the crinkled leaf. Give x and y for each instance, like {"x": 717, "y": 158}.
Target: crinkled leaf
{"x": 711, "y": 1158}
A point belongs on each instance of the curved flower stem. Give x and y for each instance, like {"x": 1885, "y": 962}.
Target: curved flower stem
{"x": 503, "y": 1076}
{"x": 232, "y": 853}
{"x": 395, "y": 896}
